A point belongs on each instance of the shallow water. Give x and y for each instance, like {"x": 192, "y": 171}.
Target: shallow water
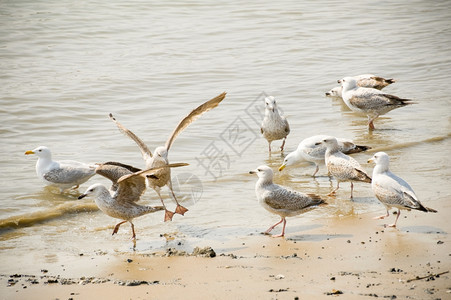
{"x": 65, "y": 65}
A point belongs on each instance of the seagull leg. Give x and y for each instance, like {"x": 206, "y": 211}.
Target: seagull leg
{"x": 352, "y": 189}
{"x": 316, "y": 170}
{"x": 133, "y": 231}
{"x": 167, "y": 214}
{"x": 396, "y": 220}
{"x": 382, "y": 217}
{"x": 269, "y": 147}
{"x": 283, "y": 143}
{"x": 273, "y": 226}
{"x": 116, "y": 228}
{"x": 370, "y": 122}
{"x": 333, "y": 192}
{"x": 179, "y": 209}
{"x": 283, "y": 229}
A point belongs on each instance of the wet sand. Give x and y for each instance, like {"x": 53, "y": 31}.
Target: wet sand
{"x": 352, "y": 257}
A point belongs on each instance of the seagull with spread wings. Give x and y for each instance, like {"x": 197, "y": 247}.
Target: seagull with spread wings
{"x": 128, "y": 186}
{"x": 160, "y": 156}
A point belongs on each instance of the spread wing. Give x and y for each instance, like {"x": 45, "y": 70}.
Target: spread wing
{"x": 146, "y": 153}
{"x": 115, "y": 170}
{"x": 192, "y": 116}
{"x": 132, "y": 186}
{"x": 67, "y": 174}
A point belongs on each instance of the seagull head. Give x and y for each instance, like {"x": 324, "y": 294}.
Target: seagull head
{"x": 270, "y": 104}
{"x": 348, "y": 83}
{"x": 263, "y": 172}
{"x": 380, "y": 158}
{"x": 335, "y": 92}
{"x": 41, "y": 152}
{"x": 289, "y": 160}
{"x": 95, "y": 190}
{"x": 330, "y": 142}
{"x": 161, "y": 153}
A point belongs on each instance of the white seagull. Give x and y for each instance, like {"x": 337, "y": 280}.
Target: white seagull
{"x": 160, "y": 156}
{"x": 391, "y": 190}
{"x": 63, "y": 174}
{"x": 369, "y": 101}
{"x": 274, "y": 126}
{"x": 312, "y": 150}
{"x": 120, "y": 201}
{"x": 280, "y": 200}
{"x": 341, "y": 166}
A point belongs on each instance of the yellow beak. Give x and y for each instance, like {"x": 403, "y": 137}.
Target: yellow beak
{"x": 370, "y": 160}
{"x": 29, "y": 152}
{"x": 282, "y": 167}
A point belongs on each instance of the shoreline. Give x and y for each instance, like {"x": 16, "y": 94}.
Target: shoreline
{"x": 351, "y": 257}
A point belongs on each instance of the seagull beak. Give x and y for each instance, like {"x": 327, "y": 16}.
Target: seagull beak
{"x": 29, "y": 152}
{"x": 339, "y": 81}
{"x": 252, "y": 172}
{"x": 82, "y": 196}
{"x": 371, "y": 160}
{"x": 282, "y": 167}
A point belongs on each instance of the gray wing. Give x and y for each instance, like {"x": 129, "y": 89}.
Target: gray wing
{"x": 146, "y": 153}
{"x": 287, "y": 126}
{"x": 393, "y": 190}
{"x": 290, "y": 200}
{"x": 132, "y": 186}
{"x": 345, "y": 167}
{"x": 371, "y": 99}
{"x": 192, "y": 116}
{"x": 69, "y": 174}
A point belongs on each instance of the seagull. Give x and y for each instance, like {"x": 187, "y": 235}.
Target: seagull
{"x": 63, "y": 174}
{"x": 391, "y": 190}
{"x": 274, "y": 125}
{"x": 120, "y": 201}
{"x": 160, "y": 156}
{"x": 312, "y": 150}
{"x": 342, "y": 166}
{"x": 369, "y": 101}
{"x": 280, "y": 200}
{"x": 365, "y": 80}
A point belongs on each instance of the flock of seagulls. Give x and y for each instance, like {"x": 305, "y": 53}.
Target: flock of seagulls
{"x": 360, "y": 93}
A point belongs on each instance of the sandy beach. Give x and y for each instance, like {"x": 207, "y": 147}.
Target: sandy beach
{"x": 352, "y": 257}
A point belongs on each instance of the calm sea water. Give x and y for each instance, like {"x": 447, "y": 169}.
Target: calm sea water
{"x": 66, "y": 64}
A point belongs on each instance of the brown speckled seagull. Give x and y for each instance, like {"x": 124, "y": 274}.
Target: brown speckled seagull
{"x": 369, "y": 101}
{"x": 160, "y": 156}
{"x": 274, "y": 125}
{"x": 120, "y": 202}
{"x": 280, "y": 200}
{"x": 341, "y": 166}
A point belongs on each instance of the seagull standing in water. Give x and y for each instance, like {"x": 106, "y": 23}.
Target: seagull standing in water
{"x": 312, "y": 150}
{"x": 342, "y": 166}
{"x": 120, "y": 201}
{"x": 369, "y": 101}
{"x": 391, "y": 190}
{"x": 63, "y": 174}
{"x": 160, "y": 156}
{"x": 274, "y": 125}
{"x": 280, "y": 200}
